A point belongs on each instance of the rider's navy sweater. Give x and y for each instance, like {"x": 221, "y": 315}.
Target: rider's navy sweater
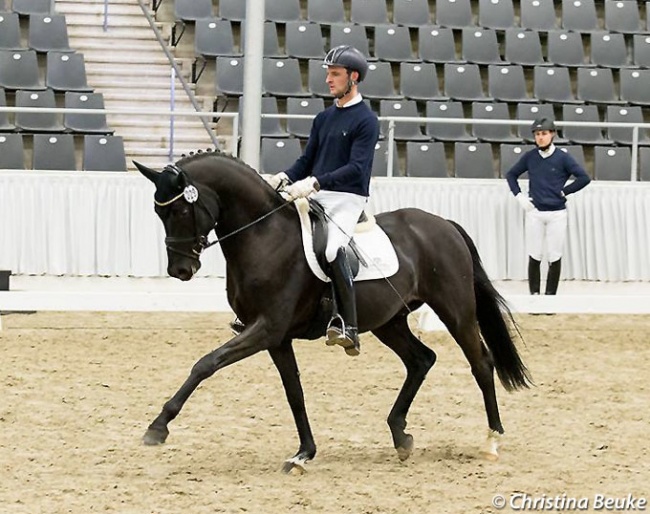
{"x": 340, "y": 149}
{"x": 547, "y": 178}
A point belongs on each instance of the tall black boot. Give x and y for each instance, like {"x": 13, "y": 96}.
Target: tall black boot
{"x": 533, "y": 275}
{"x": 553, "y": 276}
{"x": 342, "y": 330}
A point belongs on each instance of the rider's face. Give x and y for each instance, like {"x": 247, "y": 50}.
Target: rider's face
{"x": 337, "y": 80}
{"x": 544, "y": 138}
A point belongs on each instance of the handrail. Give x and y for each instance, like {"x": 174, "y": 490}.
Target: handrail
{"x": 178, "y": 72}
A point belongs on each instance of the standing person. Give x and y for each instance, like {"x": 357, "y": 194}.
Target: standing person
{"x": 335, "y": 170}
{"x": 545, "y": 204}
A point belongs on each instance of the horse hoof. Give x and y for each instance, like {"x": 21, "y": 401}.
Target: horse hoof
{"x": 490, "y": 450}
{"x": 154, "y": 436}
{"x": 406, "y": 448}
{"x": 294, "y": 465}
{"x": 492, "y": 457}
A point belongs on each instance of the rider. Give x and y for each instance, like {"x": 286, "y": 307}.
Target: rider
{"x": 335, "y": 171}
{"x": 545, "y": 204}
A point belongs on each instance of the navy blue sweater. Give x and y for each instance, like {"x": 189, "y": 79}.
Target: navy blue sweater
{"x": 340, "y": 149}
{"x": 548, "y": 177}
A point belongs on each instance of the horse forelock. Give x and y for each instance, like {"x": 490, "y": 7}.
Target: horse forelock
{"x": 168, "y": 185}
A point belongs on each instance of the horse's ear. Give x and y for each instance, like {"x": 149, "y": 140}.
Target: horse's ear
{"x": 147, "y": 172}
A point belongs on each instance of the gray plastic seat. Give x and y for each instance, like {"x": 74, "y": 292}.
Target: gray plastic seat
{"x": 426, "y": 159}
{"x": 612, "y": 163}
{"x": 54, "y": 152}
{"x": 494, "y": 133}
{"x": 634, "y": 86}
{"x": 229, "y": 76}
{"x": 411, "y": 13}
{"x": 582, "y": 135}
{"x": 537, "y": 15}
{"x": 316, "y": 74}
{"x": 214, "y": 37}
{"x": 9, "y": 31}
{"x": 12, "y": 152}
{"x": 454, "y": 13}
{"x": 552, "y": 84}
{"x": 379, "y": 83}
{"x": 442, "y": 131}
{"x": 269, "y": 127}
{"x": 480, "y": 46}
{"x": 507, "y": 83}
{"x": 608, "y": 49}
{"x": 282, "y": 77}
{"x": 103, "y": 153}
{"x": 623, "y": 16}
{"x": 406, "y": 130}
{"x": 530, "y": 112}
{"x": 509, "y": 155}
{"x": 350, "y": 34}
{"x": 644, "y": 164}
{"x": 368, "y": 12}
{"x": 473, "y": 160}
{"x": 577, "y": 152}
{"x": 19, "y": 70}
{"x": 37, "y": 121}
{"x": 625, "y": 114}
{"x": 271, "y": 40}
{"x": 393, "y": 43}
{"x": 66, "y": 72}
{"x": 436, "y": 44}
{"x": 463, "y": 82}
{"x": 499, "y": 14}
{"x": 641, "y": 50}
{"x": 419, "y": 81}
{"x": 192, "y": 10}
{"x": 304, "y": 106}
{"x": 233, "y": 10}
{"x": 579, "y": 15}
{"x": 325, "y": 11}
{"x": 27, "y": 7}
{"x": 282, "y": 11}
{"x": 304, "y": 40}
{"x": 5, "y": 125}
{"x": 85, "y": 123}
{"x": 523, "y": 47}
{"x": 565, "y": 48}
{"x": 278, "y": 155}
{"x": 596, "y": 85}
{"x": 380, "y": 160}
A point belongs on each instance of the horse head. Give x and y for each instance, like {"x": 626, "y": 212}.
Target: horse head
{"x": 189, "y": 211}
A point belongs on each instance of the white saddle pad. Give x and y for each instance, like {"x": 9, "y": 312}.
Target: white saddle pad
{"x": 372, "y": 242}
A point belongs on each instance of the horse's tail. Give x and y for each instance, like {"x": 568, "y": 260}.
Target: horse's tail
{"x": 491, "y": 312}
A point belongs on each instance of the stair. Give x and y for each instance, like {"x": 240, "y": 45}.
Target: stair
{"x": 127, "y": 65}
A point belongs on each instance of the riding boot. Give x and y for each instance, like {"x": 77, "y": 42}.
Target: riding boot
{"x": 533, "y": 275}
{"x": 553, "y": 276}
{"x": 342, "y": 329}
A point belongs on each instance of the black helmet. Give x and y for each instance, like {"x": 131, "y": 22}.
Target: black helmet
{"x": 542, "y": 124}
{"x": 349, "y": 58}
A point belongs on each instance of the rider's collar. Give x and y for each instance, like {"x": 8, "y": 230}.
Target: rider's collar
{"x": 357, "y": 99}
{"x": 548, "y": 152}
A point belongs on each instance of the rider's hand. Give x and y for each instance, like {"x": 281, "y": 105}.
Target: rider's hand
{"x": 302, "y": 188}
{"x": 276, "y": 181}
{"x": 525, "y": 202}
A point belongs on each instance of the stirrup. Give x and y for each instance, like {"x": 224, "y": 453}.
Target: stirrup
{"x": 339, "y": 333}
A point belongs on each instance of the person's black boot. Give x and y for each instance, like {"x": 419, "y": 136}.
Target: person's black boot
{"x": 342, "y": 329}
{"x": 553, "y": 277}
{"x": 533, "y": 275}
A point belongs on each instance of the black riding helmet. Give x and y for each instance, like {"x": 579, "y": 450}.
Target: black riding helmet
{"x": 542, "y": 124}
{"x": 348, "y": 57}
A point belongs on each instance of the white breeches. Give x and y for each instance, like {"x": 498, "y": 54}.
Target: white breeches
{"x": 546, "y": 227}
{"x": 343, "y": 211}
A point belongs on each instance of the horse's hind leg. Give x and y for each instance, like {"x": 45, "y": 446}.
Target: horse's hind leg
{"x": 418, "y": 360}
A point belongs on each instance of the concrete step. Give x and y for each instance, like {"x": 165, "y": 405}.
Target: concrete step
{"x": 89, "y": 7}
{"x": 147, "y": 122}
{"x": 106, "y": 81}
{"x": 131, "y": 56}
{"x": 123, "y": 33}
{"x": 118, "y": 46}
{"x": 118, "y": 20}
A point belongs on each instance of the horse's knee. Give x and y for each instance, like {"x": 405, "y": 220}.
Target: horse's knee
{"x": 204, "y": 368}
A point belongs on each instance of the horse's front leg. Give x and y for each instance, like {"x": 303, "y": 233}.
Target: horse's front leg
{"x": 252, "y": 340}
{"x": 284, "y": 359}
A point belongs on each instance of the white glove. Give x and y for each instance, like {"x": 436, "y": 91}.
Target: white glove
{"x": 276, "y": 181}
{"x": 525, "y": 202}
{"x": 302, "y": 188}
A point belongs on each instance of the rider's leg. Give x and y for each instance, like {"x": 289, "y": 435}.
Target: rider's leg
{"x": 343, "y": 329}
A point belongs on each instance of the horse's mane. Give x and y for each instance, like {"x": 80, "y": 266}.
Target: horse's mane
{"x": 201, "y": 155}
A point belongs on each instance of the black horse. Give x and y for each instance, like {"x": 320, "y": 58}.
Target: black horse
{"x": 273, "y": 291}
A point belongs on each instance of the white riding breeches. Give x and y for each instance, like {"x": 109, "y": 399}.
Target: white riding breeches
{"x": 546, "y": 227}
{"x": 343, "y": 211}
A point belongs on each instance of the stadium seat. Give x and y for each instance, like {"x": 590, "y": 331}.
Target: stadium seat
{"x": 325, "y": 11}
{"x": 523, "y": 47}
{"x": 229, "y": 76}
{"x": 350, "y": 34}
{"x": 463, "y": 82}
{"x": 214, "y": 37}
{"x": 552, "y": 84}
{"x": 103, "y": 153}
{"x": 54, "y": 152}
{"x": 579, "y": 15}
{"x": 282, "y": 11}
{"x": 446, "y": 131}
{"x": 577, "y": 152}
{"x": 9, "y": 31}
{"x": 411, "y": 13}
{"x": 304, "y": 40}
{"x": 612, "y": 163}
{"x": 192, "y": 10}
{"x": 596, "y": 85}
{"x": 85, "y": 123}
{"x": 393, "y": 43}
{"x": 37, "y": 121}
{"x": 530, "y": 112}
{"x": 426, "y": 159}
{"x": 493, "y": 133}
{"x": 271, "y": 40}
{"x": 582, "y": 135}
{"x": 316, "y": 73}
{"x": 419, "y": 81}
{"x": 304, "y": 106}
{"x": 480, "y": 46}
{"x": 233, "y": 10}
{"x": 12, "y": 152}
{"x": 507, "y": 83}
{"x": 379, "y": 83}
{"x": 644, "y": 164}
{"x": 380, "y": 161}
{"x": 278, "y": 155}
{"x": 498, "y": 15}
{"x": 281, "y": 77}
{"x": 565, "y": 48}
{"x": 269, "y": 127}
{"x": 641, "y": 50}
{"x": 5, "y": 125}
{"x": 623, "y": 16}
{"x": 608, "y": 49}
{"x": 27, "y": 7}
{"x": 406, "y": 130}
{"x": 625, "y": 114}
{"x": 368, "y": 12}
{"x": 634, "y": 86}
{"x": 19, "y": 70}
{"x": 454, "y": 14}
{"x": 473, "y": 160}
{"x": 509, "y": 155}
{"x": 66, "y": 72}
{"x": 436, "y": 44}
{"x": 537, "y": 15}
